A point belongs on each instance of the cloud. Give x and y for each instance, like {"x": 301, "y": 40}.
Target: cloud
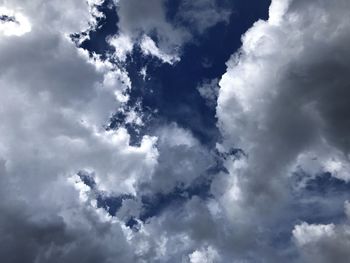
{"x": 148, "y": 47}
{"x": 123, "y": 46}
{"x": 148, "y": 17}
{"x": 182, "y": 160}
{"x": 53, "y": 225}
{"x": 283, "y": 101}
{"x": 305, "y": 233}
{"x": 279, "y": 99}
{"x": 208, "y": 255}
{"x": 209, "y": 91}
{"x": 143, "y": 21}
{"x": 13, "y": 23}
{"x": 203, "y": 14}
{"x": 55, "y": 102}
{"x": 323, "y": 243}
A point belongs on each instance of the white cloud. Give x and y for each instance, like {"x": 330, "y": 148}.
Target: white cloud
{"x": 283, "y": 100}
{"x": 280, "y": 101}
{"x": 54, "y": 103}
{"x": 16, "y": 26}
{"x": 207, "y": 255}
{"x": 324, "y": 159}
{"x": 148, "y": 47}
{"x": 275, "y": 98}
{"x": 323, "y": 243}
{"x": 306, "y": 234}
{"x": 209, "y": 91}
{"x": 123, "y": 46}
{"x": 147, "y": 17}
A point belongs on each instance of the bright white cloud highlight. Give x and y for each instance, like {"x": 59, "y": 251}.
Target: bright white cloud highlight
{"x": 149, "y": 47}
{"x": 16, "y": 25}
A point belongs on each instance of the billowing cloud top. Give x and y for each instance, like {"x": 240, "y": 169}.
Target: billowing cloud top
{"x": 103, "y": 108}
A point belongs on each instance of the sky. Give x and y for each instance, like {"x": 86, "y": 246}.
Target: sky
{"x": 174, "y": 131}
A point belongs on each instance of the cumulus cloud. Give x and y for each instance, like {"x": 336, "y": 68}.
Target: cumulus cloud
{"x": 279, "y": 99}
{"x": 281, "y": 102}
{"x": 55, "y": 102}
{"x": 323, "y": 243}
{"x": 284, "y": 102}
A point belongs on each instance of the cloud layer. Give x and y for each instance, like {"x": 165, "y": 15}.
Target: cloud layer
{"x": 282, "y": 111}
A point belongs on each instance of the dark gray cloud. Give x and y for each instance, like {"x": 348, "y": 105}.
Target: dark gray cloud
{"x": 6, "y": 18}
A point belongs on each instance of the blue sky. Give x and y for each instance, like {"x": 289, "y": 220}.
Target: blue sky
{"x": 207, "y": 131}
